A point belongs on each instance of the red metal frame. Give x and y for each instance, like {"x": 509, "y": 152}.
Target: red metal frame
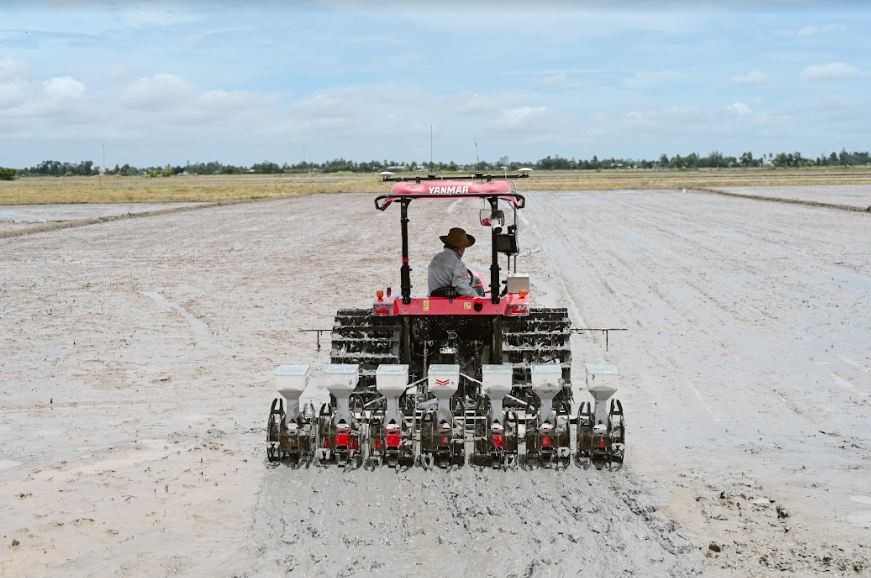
{"x": 492, "y": 191}
{"x": 501, "y": 189}
{"x": 512, "y": 305}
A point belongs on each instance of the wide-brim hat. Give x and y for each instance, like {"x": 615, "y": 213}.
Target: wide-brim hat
{"x": 458, "y": 238}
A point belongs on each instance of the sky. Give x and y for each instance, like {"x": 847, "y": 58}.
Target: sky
{"x": 240, "y": 82}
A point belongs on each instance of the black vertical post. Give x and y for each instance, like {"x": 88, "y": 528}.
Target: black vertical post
{"x": 405, "y": 270}
{"x": 494, "y": 264}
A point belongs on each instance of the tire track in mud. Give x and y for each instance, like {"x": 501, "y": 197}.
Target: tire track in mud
{"x": 591, "y": 277}
{"x": 687, "y": 269}
{"x": 758, "y": 271}
{"x": 670, "y": 223}
{"x": 469, "y": 521}
{"x": 745, "y": 311}
{"x": 761, "y": 319}
{"x": 805, "y": 202}
{"x": 199, "y": 327}
{"x": 708, "y": 339}
{"x": 632, "y": 284}
{"x": 635, "y": 294}
{"x": 615, "y": 256}
{"x": 572, "y": 304}
{"x": 678, "y": 231}
{"x": 806, "y": 241}
{"x": 56, "y": 226}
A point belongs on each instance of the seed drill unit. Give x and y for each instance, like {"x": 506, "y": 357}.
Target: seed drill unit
{"x": 447, "y": 381}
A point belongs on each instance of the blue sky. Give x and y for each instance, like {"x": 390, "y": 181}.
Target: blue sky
{"x": 172, "y": 82}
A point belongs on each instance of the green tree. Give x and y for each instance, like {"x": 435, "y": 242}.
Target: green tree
{"x": 266, "y": 167}
{"x": 7, "y": 174}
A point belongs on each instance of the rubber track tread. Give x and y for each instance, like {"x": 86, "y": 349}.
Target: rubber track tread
{"x": 541, "y": 337}
{"x": 362, "y": 338}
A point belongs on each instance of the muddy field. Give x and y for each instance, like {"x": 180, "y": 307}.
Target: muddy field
{"x": 19, "y": 219}
{"x": 852, "y": 196}
{"x": 136, "y": 359}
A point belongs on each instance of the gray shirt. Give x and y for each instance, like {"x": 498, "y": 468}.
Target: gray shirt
{"x": 446, "y": 269}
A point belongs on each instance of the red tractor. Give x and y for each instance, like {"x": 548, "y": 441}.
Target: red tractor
{"x": 499, "y": 328}
{"x": 487, "y": 377}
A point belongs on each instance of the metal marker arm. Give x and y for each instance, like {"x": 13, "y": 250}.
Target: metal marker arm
{"x": 605, "y": 330}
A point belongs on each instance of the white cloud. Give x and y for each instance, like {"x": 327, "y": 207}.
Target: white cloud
{"x": 813, "y": 30}
{"x": 520, "y": 118}
{"x": 740, "y": 109}
{"x": 754, "y": 77}
{"x": 64, "y": 87}
{"x": 634, "y": 118}
{"x": 657, "y": 119}
{"x": 13, "y": 93}
{"x": 470, "y": 104}
{"x": 222, "y": 107}
{"x": 830, "y": 71}
{"x": 11, "y": 68}
{"x": 808, "y": 30}
{"x": 159, "y": 92}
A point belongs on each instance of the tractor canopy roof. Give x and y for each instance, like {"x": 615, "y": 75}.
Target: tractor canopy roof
{"x": 433, "y": 187}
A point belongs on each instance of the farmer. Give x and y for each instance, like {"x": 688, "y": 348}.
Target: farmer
{"x": 447, "y": 270}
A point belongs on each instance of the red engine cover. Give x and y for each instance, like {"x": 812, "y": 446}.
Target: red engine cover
{"x": 393, "y": 440}
{"x": 498, "y": 441}
{"x": 343, "y": 439}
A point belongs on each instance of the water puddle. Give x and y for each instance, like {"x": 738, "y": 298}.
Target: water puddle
{"x": 860, "y": 518}
{"x": 199, "y": 327}
{"x": 8, "y": 464}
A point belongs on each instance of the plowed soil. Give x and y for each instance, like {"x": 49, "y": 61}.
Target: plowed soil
{"x": 136, "y": 360}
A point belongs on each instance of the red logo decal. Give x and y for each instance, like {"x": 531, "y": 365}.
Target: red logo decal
{"x": 443, "y": 381}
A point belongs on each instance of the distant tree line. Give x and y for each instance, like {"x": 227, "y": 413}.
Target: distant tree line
{"x": 60, "y": 169}
{"x": 691, "y": 161}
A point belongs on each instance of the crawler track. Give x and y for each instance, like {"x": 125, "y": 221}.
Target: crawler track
{"x": 360, "y": 337}
{"x": 541, "y": 337}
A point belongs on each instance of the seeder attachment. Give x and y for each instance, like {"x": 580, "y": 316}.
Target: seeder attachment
{"x": 495, "y": 441}
{"x": 548, "y": 440}
{"x": 429, "y": 423}
{"x": 290, "y": 431}
{"x": 390, "y": 438}
{"x": 601, "y": 431}
{"x": 339, "y": 428}
{"x": 442, "y": 440}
